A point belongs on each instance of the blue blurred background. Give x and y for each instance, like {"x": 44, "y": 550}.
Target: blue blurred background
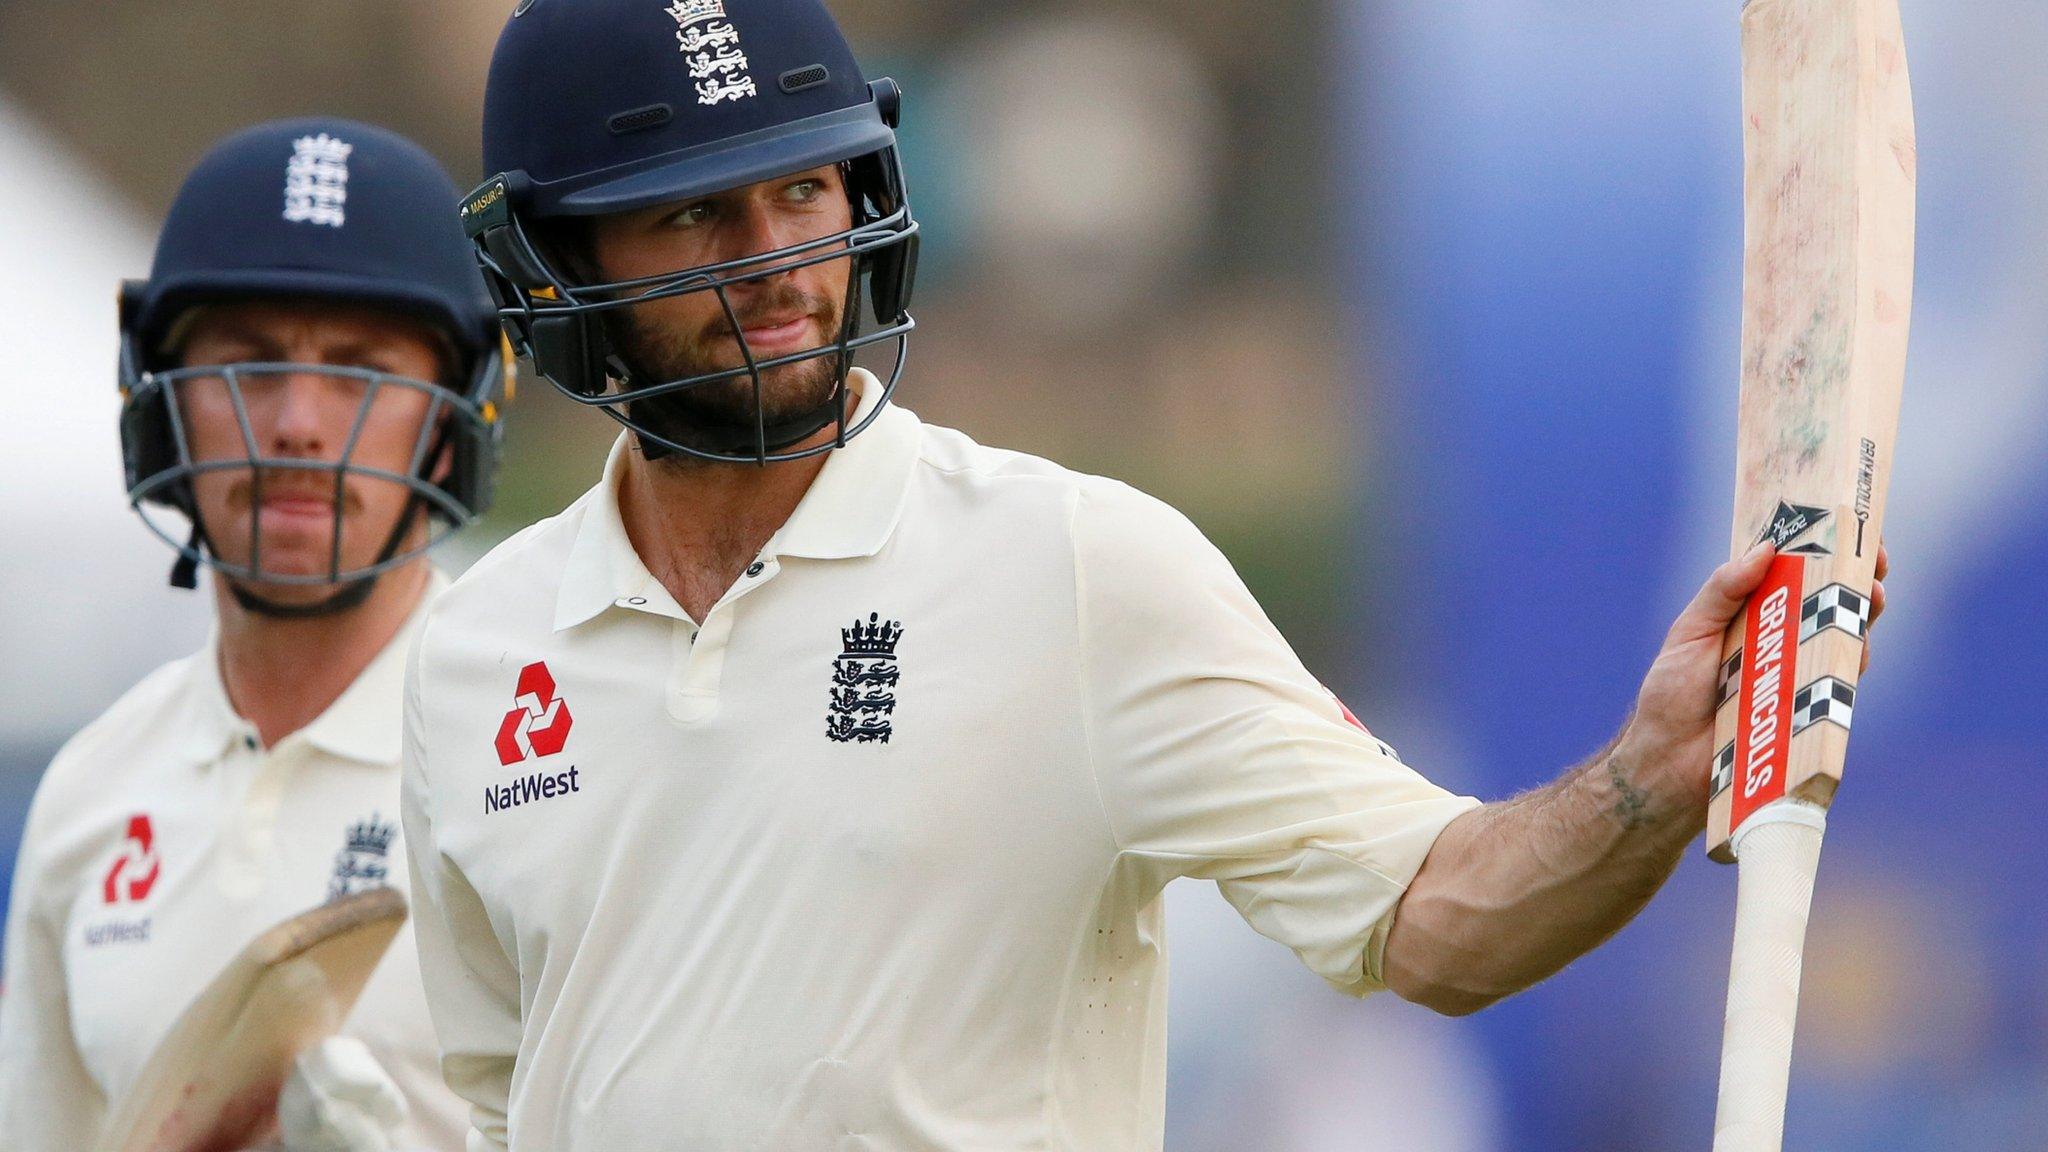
{"x": 1427, "y": 312}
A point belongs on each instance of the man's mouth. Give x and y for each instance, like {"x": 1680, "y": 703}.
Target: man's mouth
{"x": 290, "y": 501}
{"x": 775, "y": 336}
{"x": 290, "y": 506}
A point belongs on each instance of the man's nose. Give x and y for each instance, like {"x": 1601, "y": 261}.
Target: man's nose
{"x": 300, "y": 414}
{"x": 758, "y": 230}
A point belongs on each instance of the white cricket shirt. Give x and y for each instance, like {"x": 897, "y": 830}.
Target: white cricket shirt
{"x": 872, "y": 858}
{"x": 162, "y": 839}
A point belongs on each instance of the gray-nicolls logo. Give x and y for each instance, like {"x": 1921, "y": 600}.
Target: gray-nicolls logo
{"x": 712, "y": 46}
{"x": 364, "y": 861}
{"x": 1866, "y": 482}
{"x": 316, "y": 181}
{"x": 864, "y": 678}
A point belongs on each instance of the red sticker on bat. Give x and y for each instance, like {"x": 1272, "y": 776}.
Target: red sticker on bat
{"x": 1770, "y": 661}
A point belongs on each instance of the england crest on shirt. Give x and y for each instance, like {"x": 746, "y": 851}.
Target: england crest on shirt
{"x": 864, "y": 679}
{"x": 364, "y": 861}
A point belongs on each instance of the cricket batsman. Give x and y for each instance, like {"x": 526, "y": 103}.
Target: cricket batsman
{"x": 309, "y": 378}
{"x": 812, "y": 781}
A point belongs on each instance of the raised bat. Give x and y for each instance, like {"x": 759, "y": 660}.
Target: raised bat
{"x": 1826, "y": 298}
{"x": 212, "y": 1083}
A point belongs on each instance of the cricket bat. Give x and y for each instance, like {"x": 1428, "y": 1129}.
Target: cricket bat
{"x": 212, "y": 1083}
{"x": 1826, "y": 298}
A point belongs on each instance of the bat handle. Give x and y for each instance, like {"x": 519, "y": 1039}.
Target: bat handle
{"x": 1776, "y": 852}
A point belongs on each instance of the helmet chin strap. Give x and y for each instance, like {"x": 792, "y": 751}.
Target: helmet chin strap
{"x": 185, "y": 569}
{"x": 737, "y": 439}
{"x": 348, "y": 596}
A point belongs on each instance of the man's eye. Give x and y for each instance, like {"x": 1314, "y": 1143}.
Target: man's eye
{"x": 804, "y": 191}
{"x": 691, "y": 216}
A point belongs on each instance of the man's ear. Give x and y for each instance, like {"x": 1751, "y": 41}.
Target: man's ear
{"x": 569, "y": 243}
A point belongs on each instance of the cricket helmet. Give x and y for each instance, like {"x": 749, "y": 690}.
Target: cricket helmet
{"x": 325, "y": 210}
{"x": 603, "y": 106}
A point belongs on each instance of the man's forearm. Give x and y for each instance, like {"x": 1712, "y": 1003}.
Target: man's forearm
{"x": 1516, "y": 890}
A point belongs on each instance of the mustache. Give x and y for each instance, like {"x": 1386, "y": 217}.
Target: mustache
{"x": 294, "y": 484}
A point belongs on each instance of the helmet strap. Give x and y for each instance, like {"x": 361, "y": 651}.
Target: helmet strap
{"x": 348, "y": 596}
{"x": 744, "y": 439}
{"x": 185, "y": 569}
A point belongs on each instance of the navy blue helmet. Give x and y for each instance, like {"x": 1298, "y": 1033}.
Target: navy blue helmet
{"x": 318, "y": 209}
{"x": 604, "y": 106}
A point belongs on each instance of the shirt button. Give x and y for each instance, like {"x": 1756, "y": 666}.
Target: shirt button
{"x": 249, "y": 742}
{"x": 756, "y": 568}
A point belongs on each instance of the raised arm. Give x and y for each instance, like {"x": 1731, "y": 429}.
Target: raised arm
{"x": 1514, "y": 891}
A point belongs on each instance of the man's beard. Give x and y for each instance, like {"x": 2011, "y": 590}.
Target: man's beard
{"x": 795, "y": 399}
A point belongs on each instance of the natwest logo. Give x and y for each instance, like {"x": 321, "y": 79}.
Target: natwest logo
{"x": 539, "y": 723}
{"x": 135, "y": 870}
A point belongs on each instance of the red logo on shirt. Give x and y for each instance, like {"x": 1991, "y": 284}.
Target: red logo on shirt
{"x": 539, "y": 725}
{"x": 1350, "y": 717}
{"x": 135, "y": 870}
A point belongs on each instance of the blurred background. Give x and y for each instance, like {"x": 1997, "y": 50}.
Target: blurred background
{"x": 1427, "y": 313}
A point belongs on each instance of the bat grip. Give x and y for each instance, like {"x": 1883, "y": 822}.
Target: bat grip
{"x": 1776, "y": 852}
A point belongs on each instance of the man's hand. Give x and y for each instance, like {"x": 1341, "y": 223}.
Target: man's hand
{"x": 1514, "y": 891}
{"x": 339, "y": 1099}
{"x": 1670, "y": 739}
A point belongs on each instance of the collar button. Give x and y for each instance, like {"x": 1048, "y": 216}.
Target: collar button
{"x": 756, "y": 568}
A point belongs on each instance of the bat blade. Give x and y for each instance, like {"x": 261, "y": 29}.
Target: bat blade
{"x": 212, "y": 1082}
{"x": 1827, "y": 295}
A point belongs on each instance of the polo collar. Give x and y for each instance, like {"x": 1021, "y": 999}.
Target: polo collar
{"x": 603, "y": 568}
{"x": 849, "y": 511}
{"x": 364, "y": 723}
{"x": 852, "y": 507}
{"x": 205, "y": 719}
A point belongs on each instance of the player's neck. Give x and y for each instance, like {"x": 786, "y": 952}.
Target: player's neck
{"x": 282, "y": 673}
{"x": 697, "y": 525}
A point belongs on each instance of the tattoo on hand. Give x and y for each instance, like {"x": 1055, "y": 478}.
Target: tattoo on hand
{"x": 1632, "y": 805}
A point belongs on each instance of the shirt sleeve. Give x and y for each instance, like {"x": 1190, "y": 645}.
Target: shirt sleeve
{"x": 49, "y": 1102}
{"x": 472, "y": 986}
{"x": 1219, "y": 756}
